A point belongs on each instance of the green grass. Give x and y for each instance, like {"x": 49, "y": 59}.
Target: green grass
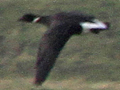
{"x": 87, "y": 62}
{"x": 70, "y": 84}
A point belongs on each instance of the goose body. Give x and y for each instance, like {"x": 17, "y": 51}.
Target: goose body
{"x": 61, "y": 27}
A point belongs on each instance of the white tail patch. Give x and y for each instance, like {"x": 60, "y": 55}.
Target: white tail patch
{"x": 87, "y": 26}
{"x": 36, "y": 20}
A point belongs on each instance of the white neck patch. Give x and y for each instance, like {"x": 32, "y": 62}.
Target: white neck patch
{"x": 36, "y": 20}
{"x": 95, "y": 25}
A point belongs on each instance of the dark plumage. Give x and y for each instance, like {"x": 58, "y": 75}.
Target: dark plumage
{"x": 61, "y": 27}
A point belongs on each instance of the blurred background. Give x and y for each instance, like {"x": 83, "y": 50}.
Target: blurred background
{"x": 87, "y": 62}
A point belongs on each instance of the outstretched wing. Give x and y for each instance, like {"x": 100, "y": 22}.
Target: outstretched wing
{"x": 50, "y": 46}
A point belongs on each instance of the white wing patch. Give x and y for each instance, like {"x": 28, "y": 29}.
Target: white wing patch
{"x": 87, "y": 26}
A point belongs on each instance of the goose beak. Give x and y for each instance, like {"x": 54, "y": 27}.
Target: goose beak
{"x": 21, "y": 19}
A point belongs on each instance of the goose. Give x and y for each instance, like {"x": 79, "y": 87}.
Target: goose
{"x": 61, "y": 26}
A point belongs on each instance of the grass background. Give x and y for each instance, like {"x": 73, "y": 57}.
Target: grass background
{"x": 87, "y": 62}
